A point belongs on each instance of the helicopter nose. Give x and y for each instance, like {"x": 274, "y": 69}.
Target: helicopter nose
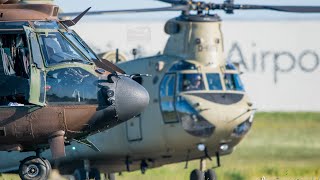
{"x": 131, "y": 98}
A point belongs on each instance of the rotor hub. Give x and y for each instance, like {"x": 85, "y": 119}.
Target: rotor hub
{"x": 200, "y": 18}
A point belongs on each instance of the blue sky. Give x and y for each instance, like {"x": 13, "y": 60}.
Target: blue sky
{"x": 80, "y": 5}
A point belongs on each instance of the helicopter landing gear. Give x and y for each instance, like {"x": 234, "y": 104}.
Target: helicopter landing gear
{"x": 109, "y": 176}
{"x": 210, "y": 175}
{"x": 82, "y": 174}
{"x": 202, "y": 174}
{"x": 196, "y": 174}
{"x": 143, "y": 166}
{"x": 86, "y": 172}
{"x": 94, "y": 174}
{"x": 34, "y": 168}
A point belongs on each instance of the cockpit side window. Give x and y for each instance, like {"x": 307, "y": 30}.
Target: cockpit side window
{"x": 77, "y": 41}
{"x": 167, "y": 85}
{"x": 191, "y": 82}
{"x": 233, "y": 82}
{"x": 57, "y": 49}
{"x": 167, "y": 98}
{"x": 214, "y": 81}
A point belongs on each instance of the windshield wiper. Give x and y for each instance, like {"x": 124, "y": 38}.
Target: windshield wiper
{"x": 74, "y": 60}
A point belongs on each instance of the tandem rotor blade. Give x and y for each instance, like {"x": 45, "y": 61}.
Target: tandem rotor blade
{"x": 176, "y": 2}
{"x": 228, "y": 6}
{"x": 187, "y": 5}
{"x": 294, "y": 9}
{"x": 173, "y": 8}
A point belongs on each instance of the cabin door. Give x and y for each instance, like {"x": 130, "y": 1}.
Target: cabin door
{"x": 133, "y": 127}
{"x": 37, "y": 87}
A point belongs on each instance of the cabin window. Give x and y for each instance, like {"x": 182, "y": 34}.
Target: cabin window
{"x": 183, "y": 65}
{"x": 191, "y": 82}
{"x": 167, "y": 95}
{"x": 214, "y": 81}
{"x": 14, "y": 68}
{"x": 14, "y": 54}
{"x": 233, "y": 82}
{"x": 57, "y": 49}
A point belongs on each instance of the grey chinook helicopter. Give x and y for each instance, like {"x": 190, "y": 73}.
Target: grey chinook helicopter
{"x": 53, "y": 88}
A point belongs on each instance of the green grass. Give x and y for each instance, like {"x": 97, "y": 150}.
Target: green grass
{"x": 279, "y": 146}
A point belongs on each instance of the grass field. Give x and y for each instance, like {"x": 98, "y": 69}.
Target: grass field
{"x": 283, "y": 146}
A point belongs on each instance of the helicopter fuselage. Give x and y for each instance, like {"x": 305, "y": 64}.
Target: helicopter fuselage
{"x": 53, "y": 88}
{"x": 215, "y": 119}
{"x": 198, "y": 108}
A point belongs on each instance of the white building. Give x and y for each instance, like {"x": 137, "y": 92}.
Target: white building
{"x": 280, "y": 58}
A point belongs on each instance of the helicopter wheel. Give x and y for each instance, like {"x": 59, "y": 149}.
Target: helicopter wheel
{"x": 34, "y": 168}
{"x": 210, "y": 175}
{"x": 48, "y": 165}
{"x": 196, "y": 175}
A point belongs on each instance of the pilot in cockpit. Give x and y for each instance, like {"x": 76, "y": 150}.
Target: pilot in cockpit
{"x": 194, "y": 82}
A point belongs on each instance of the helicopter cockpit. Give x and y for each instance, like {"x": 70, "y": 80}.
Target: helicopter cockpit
{"x": 219, "y": 86}
{"x": 33, "y": 54}
{"x": 192, "y": 78}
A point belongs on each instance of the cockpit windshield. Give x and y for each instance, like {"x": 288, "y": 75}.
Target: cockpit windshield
{"x": 191, "y": 82}
{"x": 214, "y": 81}
{"x": 233, "y": 82}
{"x": 57, "y": 49}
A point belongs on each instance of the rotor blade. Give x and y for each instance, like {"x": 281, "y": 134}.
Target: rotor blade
{"x": 176, "y": 2}
{"x": 73, "y": 22}
{"x": 296, "y": 9}
{"x": 173, "y": 8}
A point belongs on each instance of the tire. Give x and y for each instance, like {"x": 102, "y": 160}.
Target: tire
{"x": 94, "y": 174}
{"x": 34, "y": 168}
{"x": 48, "y": 165}
{"x": 210, "y": 175}
{"x": 196, "y": 175}
{"x": 111, "y": 176}
{"x": 80, "y": 174}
